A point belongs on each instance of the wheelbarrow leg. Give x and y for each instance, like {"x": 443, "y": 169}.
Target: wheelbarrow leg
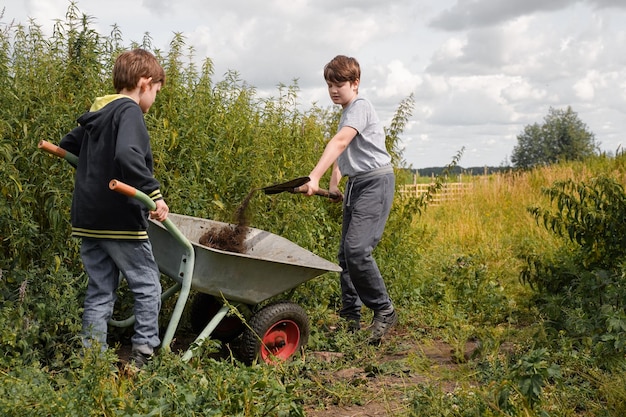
{"x": 186, "y": 272}
{"x": 207, "y": 331}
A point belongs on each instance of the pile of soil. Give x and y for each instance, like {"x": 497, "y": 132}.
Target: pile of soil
{"x": 231, "y": 238}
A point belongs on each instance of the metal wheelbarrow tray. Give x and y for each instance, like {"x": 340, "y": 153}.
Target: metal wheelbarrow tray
{"x": 270, "y": 266}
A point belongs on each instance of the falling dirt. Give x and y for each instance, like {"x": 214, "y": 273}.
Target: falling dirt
{"x": 231, "y": 238}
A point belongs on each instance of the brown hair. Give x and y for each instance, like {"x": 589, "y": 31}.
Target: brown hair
{"x": 130, "y": 66}
{"x": 341, "y": 69}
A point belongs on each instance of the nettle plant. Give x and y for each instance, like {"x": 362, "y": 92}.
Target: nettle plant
{"x": 583, "y": 284}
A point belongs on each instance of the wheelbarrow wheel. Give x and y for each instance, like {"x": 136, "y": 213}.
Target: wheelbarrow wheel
{"x": 203, "y": 309}
{"x": 277, "y": 332}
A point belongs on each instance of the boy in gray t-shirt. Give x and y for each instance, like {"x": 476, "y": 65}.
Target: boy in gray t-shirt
{"x": 358, "y": 152}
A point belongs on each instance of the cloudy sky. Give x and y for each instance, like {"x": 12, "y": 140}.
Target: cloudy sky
{"x": 480, "y": 70}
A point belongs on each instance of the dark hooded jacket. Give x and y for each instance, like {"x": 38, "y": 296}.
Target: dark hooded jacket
{"x": 111, "y": 142}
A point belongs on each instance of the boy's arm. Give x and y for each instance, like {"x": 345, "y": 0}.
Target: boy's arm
{"x": 335, "y": 176}
{"x": 72, "y": 142}
{"x": 133, "y": 153}
{"x": 333, "y": 149}
{"x": 333, "y": 186}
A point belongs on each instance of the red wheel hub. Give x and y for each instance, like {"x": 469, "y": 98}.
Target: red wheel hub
{"x": 280, "y": 341}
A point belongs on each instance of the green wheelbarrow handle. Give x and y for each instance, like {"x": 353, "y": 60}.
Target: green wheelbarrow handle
{"x": 58, "y": 151}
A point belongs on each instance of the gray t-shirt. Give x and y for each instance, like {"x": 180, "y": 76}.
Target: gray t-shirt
{"x": 367, "y": 151}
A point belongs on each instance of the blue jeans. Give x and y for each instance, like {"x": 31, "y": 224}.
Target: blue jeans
{"x": 366, "y": 207}
{"x": 104, "y": 260}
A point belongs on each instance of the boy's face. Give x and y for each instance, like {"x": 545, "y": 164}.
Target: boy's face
{"x": 343, "y": 93}
{"x": 148, "y": 95}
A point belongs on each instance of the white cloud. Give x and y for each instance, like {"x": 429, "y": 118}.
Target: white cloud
{"x": 450, "y": 50}
{"x": 520, "y": 90}
{"x": 584, "y": 90}
{"x": 398, "y": 81}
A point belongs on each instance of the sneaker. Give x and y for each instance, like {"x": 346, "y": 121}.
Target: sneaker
{"x": 138, "y": 359}
{"x": 381, "y": 325}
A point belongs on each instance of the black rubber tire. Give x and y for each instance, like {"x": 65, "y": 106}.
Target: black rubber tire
{"x": 203, "y": 309}
{"x": 283, "y": 325}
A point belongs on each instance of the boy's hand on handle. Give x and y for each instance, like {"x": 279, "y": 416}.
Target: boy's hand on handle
{"x": 161, "y": 211}
{"x": 311, "y": 187}
{"x": 336, "y": 196}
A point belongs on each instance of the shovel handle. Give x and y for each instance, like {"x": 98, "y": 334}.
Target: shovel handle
{"x": 327, "y": 194}
{"x": 321, "y": 192}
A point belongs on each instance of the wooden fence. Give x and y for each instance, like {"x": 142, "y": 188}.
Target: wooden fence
{"x": 448, "y": 191}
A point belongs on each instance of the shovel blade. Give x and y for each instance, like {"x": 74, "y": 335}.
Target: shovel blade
{"x": 286, "y": 187}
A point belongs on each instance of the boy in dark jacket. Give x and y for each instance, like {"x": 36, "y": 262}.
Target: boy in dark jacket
{"x": 112, "y": 142}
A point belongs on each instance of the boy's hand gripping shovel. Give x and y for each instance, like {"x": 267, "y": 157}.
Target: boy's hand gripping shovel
{"x": 295, "y": 187}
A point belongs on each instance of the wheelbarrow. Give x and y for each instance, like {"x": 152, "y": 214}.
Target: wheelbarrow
{"x": 270, "y": 266}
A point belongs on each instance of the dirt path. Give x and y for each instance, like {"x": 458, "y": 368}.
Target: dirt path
{"x": 385, "y": 392}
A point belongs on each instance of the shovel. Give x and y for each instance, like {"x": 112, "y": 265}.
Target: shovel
{"x": 295, "y": 186}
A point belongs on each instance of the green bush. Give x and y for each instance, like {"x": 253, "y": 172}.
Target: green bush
{"x": 581, "y": 286}
{"x": 39, "y": 316}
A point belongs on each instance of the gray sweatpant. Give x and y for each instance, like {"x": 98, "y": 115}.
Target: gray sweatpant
{"x": 366, "y": 207}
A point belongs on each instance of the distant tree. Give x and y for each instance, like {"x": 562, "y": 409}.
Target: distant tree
{"x": 562, "y": 137}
